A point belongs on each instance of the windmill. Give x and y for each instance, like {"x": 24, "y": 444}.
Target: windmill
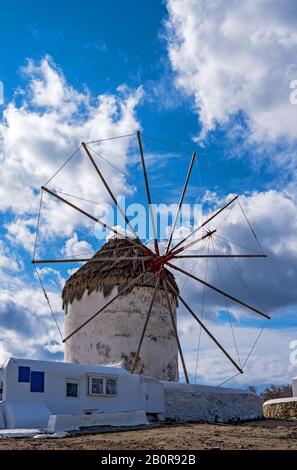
{"x": 153, "y": 268}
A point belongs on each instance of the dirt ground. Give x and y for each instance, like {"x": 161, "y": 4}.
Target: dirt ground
{"x": 264, "y": 434}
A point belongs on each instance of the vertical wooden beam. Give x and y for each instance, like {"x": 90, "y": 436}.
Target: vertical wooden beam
{"x": 181, "y": 201}
{"x": 205, "y": 329}
{"x": 107, "y": 187}
{"x": 176, "y": 332}
{"x": 148, "y": 194}
{"x": 145, "y": 325}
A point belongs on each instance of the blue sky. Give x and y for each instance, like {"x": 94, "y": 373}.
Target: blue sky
{"x": 210, "y": 78}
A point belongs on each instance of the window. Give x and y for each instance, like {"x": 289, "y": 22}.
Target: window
{"x": 111, "y": 387}
{"x": 71, "y": 389}
{"x": 96, "y": 386}
{"x": 102, "y": 386}
{"x": 24, "y": 374}
{"x": 37, "y": 381}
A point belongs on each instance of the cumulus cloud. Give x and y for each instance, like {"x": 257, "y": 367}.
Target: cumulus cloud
{"x": 27, "y": 328}
{"x": 268, "y": 363}
{"x": 237, "y": 57}
{"x": 40, "y": 133}
{"x": 41, "y": 127}
{"x": 9, "y": 261}
{"x": 268, "y": 285}
{"x": 74, "y": 246}
{"x": 21, "y": 232}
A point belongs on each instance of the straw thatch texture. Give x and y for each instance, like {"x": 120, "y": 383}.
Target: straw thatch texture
{"x": 105, "y": 275}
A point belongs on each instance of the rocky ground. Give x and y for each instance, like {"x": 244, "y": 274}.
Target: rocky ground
{"x": 264, "y": 434}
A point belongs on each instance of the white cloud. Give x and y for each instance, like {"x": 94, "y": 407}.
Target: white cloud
{"x": 27, "y": 328}
{"x": 19, "y": 232}
{"x": 74, "y": 247}
{"x": 8, "y": 261}
{"x": 269, "y": 285}
{"x": 49, "y": 89}
{"x": 38, "y": 135}
{"x": 268, "y": 363}
{"x": 235, "y": 57}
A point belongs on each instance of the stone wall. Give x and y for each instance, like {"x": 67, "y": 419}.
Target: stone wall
{"x": 281, "y": 408}
{"x": 212, "y": 404}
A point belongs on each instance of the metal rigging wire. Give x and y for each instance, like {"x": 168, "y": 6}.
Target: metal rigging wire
{"x": 37, "y": 225}
{"x": 240, "y": 278}
{"x": 256, "y": 341}
{"x": 250, "y": 226}
{"x": 64, "y": 164}
{"x": 107, "y": 161}
{"x": 235, "y": 243}
{"x": 227, "y": 307}
{"x": 202, "y": 314}
{"x": 261, "y": 331}
{"x": 228, "y": 380}
{"x": 48, "y": 302}
{"x": 249, "y": 355}
{"x": 216, "y": 176}
{"x": 78, "y": 197}
{"x": 110, "y": 138}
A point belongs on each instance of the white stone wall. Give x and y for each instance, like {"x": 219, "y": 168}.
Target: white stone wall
{"x": 281, "y": 408}
{"x": 211, "y": 404}
{"x": 114, "y": 335}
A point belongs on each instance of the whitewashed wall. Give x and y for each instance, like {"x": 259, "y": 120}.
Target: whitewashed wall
{"x": 114, "y": 335}
{"x": 23, "y": 408}
{"x": 212, "y": 404}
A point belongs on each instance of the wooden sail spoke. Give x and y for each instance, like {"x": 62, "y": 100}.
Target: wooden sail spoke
{"x": 193, "y": 242}
{"x": 220, "y": 256}
{"x": 204, "y": 328}
{"x": 106, "y": 185}
{"x": 175, "y": 332}
{"x": 216, "y": 289}
{"x": 145, "y": 325}
{"x": 181, "y": 202}
{"x": 92, "y": 260}
{"x": 204, "y": 223}
{"x": 103, "y": 224}
{"x": 148, "y": 194}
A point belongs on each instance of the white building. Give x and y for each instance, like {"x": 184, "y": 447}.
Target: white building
{"x": 60, "y": 396}
{"x": 33, "y": 391}
{"x": 113, "y": 336}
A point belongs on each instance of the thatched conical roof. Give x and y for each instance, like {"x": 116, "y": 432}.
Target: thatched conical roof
{"x": 104, "y": 275}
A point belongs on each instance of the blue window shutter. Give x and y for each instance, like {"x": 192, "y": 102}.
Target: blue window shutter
{"x": 37, "y": 381}
{"x": 24, "y": 374}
